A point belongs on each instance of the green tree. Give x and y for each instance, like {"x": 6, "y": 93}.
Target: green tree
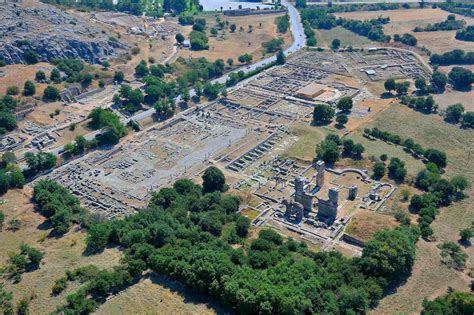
{"x": 4, "y": 183}
{"x": 379, "y": 170}
{"x": 322, "y": 114}
{"x": 51, "y": 94}
{"x": 180, "y": 38}
{"x": 420, "y": 84}
{"x": 230, "y": 62}
{"x": 55, "y": 76}
{"x": 468, "y": 120}
{"x": 242, "y": 226}
{"x": 345, "y": 104}
{"x": 17, "y": 179}
{"x": 328, "y": 151}
{"x": 335, "y": 44}
{"x": 141, "y": 69}
{"x": 390, "y": 85}
{"x": 342, "y": 120}
{"x": 466, "y": 234}
{"x": 461, "y": 78}
{"x": 454, "y": 113}
{"x": 13, "y": 90}
{"x": 232, "y": 27}
{"x": 438, "y": 81}
{"x": 280, "y": 58}
{"x": 118, "y": 76}
{"x": 29, "y": 89}
{"x": 213, "y": 180}
{"x": 40, "y": 76}
{"x": 390, "y": 254}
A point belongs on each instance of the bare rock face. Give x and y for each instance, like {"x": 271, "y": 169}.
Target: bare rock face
{"x": 52, "y": 33}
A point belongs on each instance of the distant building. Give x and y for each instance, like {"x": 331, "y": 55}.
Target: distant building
{"x": 186, "y": 43}
{"x": 370, "y": 71}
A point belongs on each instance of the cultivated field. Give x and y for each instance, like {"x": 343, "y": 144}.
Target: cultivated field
{"x": 404, "y": 21}
{"x": 232, "y": 45}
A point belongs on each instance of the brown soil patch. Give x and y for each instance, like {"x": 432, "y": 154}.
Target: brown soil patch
{"x": 366, "y": 223}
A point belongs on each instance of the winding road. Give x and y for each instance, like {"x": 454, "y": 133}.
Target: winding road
{"x": 299, "y": 40}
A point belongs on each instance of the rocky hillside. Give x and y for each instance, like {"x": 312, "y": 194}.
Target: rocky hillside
{"x": 52, "y": 33}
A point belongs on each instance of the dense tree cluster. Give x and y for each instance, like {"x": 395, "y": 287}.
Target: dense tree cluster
{"x": 39, "y": 162}
{"x": 180, "y": 235}
{"x": 7, "y": 118}
{"x": 438, "y": 192}
{"x": 11, "y": 175}
{"x": 198, "y": 40}
{"x": 455, "y": 114}
{"x": 425, "y": 105}
{"x": 449, "y": 25}
{"x": 136, "y": 7}
{"x": 400, "y": 87}
{"x": 461, "y": 78}
{"x": 453, "y": 57}
{"x": 79, "y": 146}
{"x": 57, "y": 204}
{"x": 466, "y": 34}
{"x": 397, "y": 170}
{"x": 407, "y": 39}
{"x": 463, "y": 8}
{"x": 329, "y": 149}
{"x": 454, "y": 302}
{"x": 109, "y": 122}
{"x": 323, "y": 114}
{"x": 437, "y": 157}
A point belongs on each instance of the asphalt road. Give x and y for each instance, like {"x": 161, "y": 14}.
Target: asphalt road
{"x": 299, "y": 41}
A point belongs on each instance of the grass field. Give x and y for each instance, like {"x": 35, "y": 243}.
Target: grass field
{"x": 404, "y": 21}
{"x": 430, "y": 278}
{"x": 158, "y": 295}
{"x": 60, "y": 254}
{"x": 307, "y": 138}
{"x": 347, "y": 38}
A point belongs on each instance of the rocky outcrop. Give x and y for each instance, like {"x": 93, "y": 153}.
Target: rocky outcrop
{"x": 52, "y": 33}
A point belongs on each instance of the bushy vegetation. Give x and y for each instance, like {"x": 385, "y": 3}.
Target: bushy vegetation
{"x": 454, "y": 302}
{"x": 273, "y": 45}
{"x": 180, "y": 235}
{"x": 466, "y": 34}
{"x": 319, "y": 18}
{"x": 432, "y": 155}
{"x": 463, "y": 8}
{"x": 39, "y": 162}
{"x": 453, "y": 57}
{"x": 57, "y": 204}
{"x": 283, "y": 23}
{"x": 461, "y": 78}
{"x": 449, "y": 25}
{"x": 198, "y": 40}
{"x": 109, "y": 121}
{"x": 329, "y": 150}
{"x": 425, "y": 105}
{"x": 438, "y": 192}
{"x": 322, "y": 114}
{"x": 28, "y": 259}
{"x": 407, "y": 39}
{"x": 7, "y": 118}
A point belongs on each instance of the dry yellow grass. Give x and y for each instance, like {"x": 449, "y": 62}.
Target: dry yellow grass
{"x": 404, "y": 21}
{"x": 366, "y": 223}
{"x": 60, "y": 254}
{"x": 238, "y": 43}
